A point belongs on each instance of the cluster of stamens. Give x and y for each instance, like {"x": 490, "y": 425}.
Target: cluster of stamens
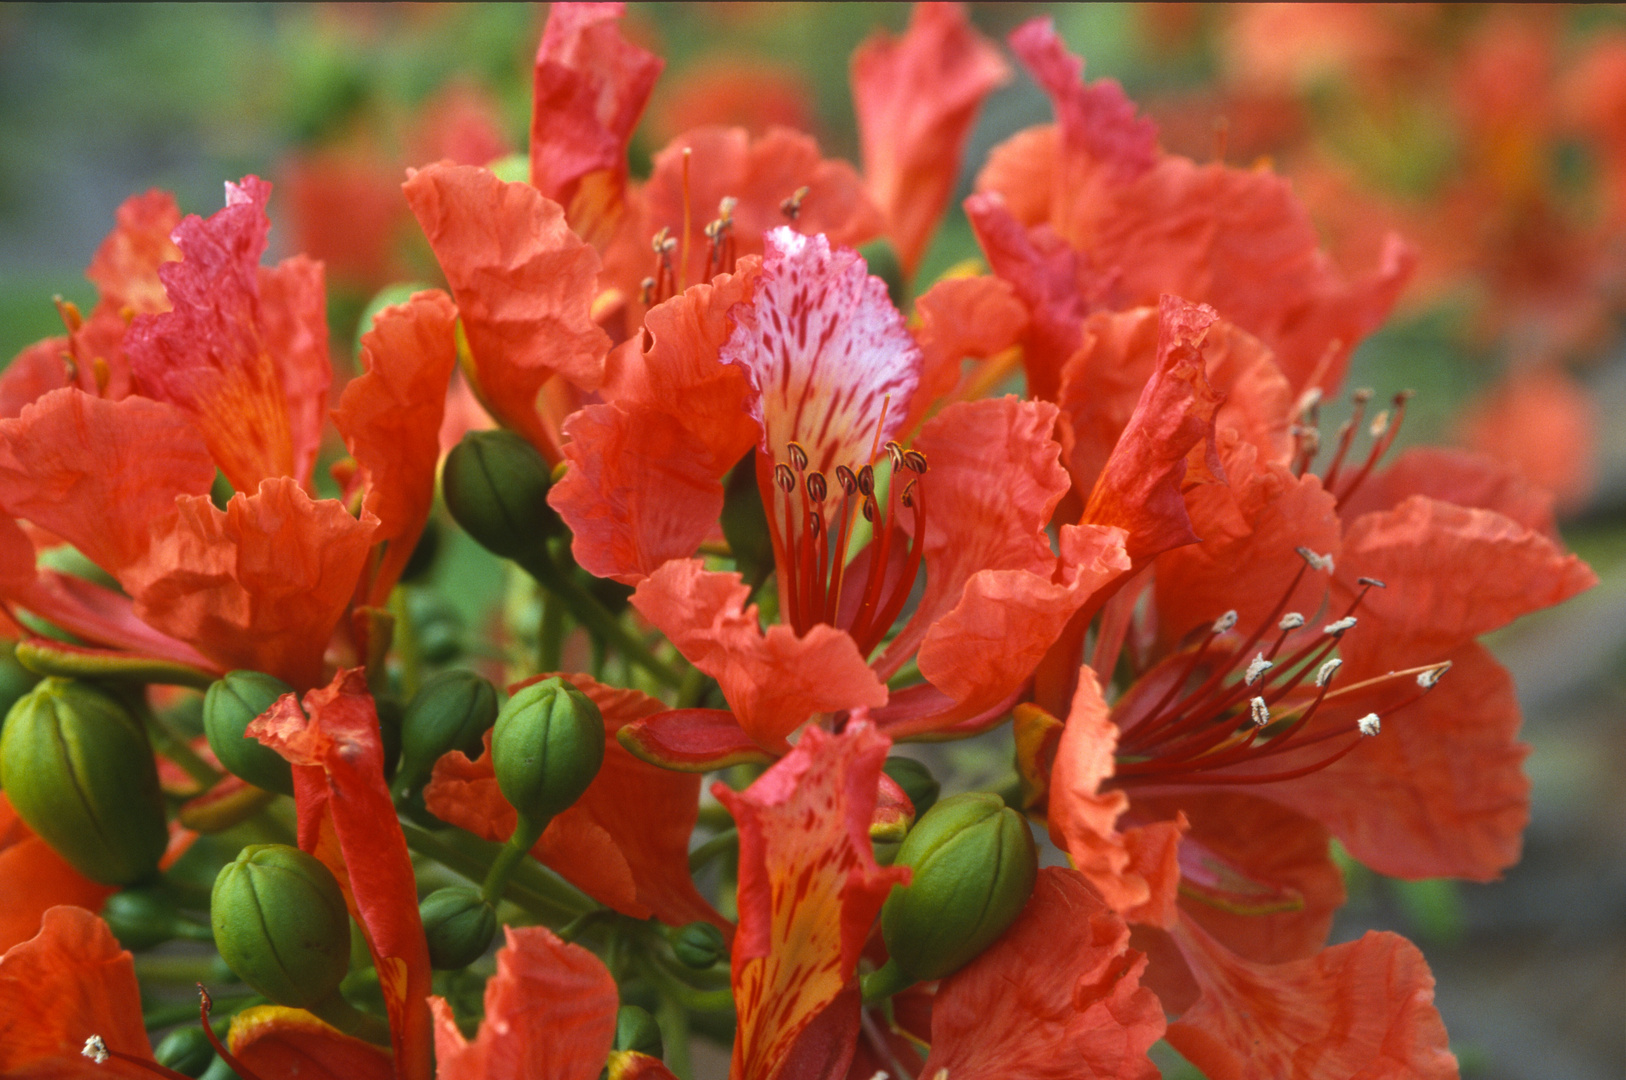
{"x": 722, "y": 251}
{"x": 815, "y": 567}
{"x": 1383, "y": 430}
{"x": 1202, "y": 733}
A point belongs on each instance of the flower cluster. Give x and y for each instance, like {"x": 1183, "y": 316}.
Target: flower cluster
{"x": 775, "y": 527}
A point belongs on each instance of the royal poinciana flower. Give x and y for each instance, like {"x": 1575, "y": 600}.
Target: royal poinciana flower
{"x": 232, "y": 378}
{"x": 1290, "y": 685}
{"x": 814, "y": 368}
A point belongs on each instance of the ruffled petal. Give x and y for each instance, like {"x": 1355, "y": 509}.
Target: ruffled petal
{"x": 549, "y": 1013}
{"x": 591, "y": 85}
{"x": 772, "y": 680}
{"x": 916, "y": 99}
{"x": 66, "y": 983}
{"x": 70, "y": 457}
{"x": 524, "y": 286}
{"x": 259, "y": 585}
{"x": 390, "y": 418}
{"x": 274, "y": 1040}
{"x": 1057, "y": 996}
{"x": 243, "y": 352}
{"x": 1453, "y": 476}
{"x": 125, "y": 266}
{"x": 975, "y": 317}
{"x": 1364, "y": 1009}
{"x": 809, "y": 891}
{"x": 32, "y": 374}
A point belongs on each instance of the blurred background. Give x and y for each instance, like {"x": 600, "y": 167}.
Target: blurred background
{"x": 1494, "y": 138}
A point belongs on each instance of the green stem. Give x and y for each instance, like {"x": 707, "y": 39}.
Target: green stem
{"x": 530, "y": 887}
{"x": 351, "y": 1020}
{"x": 693, "y": 690}
{"x": 885, "y": 982}
{"x": 551, "y": 637}
{"x": 674, "y": 1024}
{"x": 406, "y": 643}
{"x": 681, "y": 992}
{"x": 712, "y": 848}
{"x": 586, "y": 609}
{"x": 501, "y": 870}
{"x": 172, "y": 744}
{"x": 163, "y": 1016}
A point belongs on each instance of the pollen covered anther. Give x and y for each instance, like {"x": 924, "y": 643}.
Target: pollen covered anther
{"x": 1316, "y": 562}
{"x": 1428, "y": 677}
{"x": 1369, "y": 725}
{"x": 1327, "y": 671}
{"x": 1340, "y": 626}
{"x": 1225, "y": 623}
{"x": 1291, "y": 621}
{"x": 1259, "y": 711}
{"x": 96, "y": 1050}
{"x": 1256, "y": 668}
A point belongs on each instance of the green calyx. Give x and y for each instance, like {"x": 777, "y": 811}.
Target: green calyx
{"x": 496, "y": 487}
{"x": 459, "y": 925}
{"x": 916, "y": 781}
{"x": 232, "y": 703}
{"x": 637, "y": 1031}
{"x": 974, "y": 865}
{"x": 698, "y": 945}
{"x": 546, "y": 749}
{"x": 78, "y": 769}
{"x": 280, "y": 923}
{"x": 451, "y": 711}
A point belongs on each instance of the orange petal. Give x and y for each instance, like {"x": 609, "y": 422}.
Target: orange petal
{"x": 550, "y": 1013}
{"x": 1361, "y": 1009}
{"x": 692, "y": 740}
{"x": 390, "y": 418}
{"x": 63, "y": 985}
{"x": 1454, "y": 476}
{"x": 916, "y": 99}
{"x": 976, "y": 317}
{"x": 1058, "y": 994}
{"x": 32, "y": 374}
{"x": 524, "y": 286}
{"x": 34, "y": 879}
{"x": 773, "y": 681}
{"x": 125, "y": 266}
{"x": 809, "y": 891}
{"x": 259, "y": 585}
{"x": 1543, "y": 425}
{"x": 274, "y": 1040}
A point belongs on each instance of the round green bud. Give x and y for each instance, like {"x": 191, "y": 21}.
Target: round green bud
{"x": 280, "y": 923}
{"x": 186, "y": 1050}
{"x": 451, "y": 711}
{"x": 496, "y": 487}
{"x": 232, "y": 703}
{"x": 974, "y": 867}
{"x": 79, "y": 771}
{"x": 141, "y": 918}
{"x": 459, "y": 926}
{"x": 637, "y": 1031}
{"x": 547, "y": 747}
{"x": 916, "y": 781}
{"x": 699, "y": 945}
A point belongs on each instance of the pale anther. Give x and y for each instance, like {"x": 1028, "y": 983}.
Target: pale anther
{"x": 1324, "y": 676}
{"x": 1260, "y": 711}
{"x": 1257, "y": 667}
{"x": 1291, "y": 621}
{"x": 1368, "y": 725}
{"x": 1427, "y": 679}
{"x": 95, "y": 1049}
{"x": 1225, "y": 623}
{"x": 1380, "y": 424}
{"x": 1308, "y": 400}
{"x": 1340, "y": 626}
{"x": 1372, "y": 581}
{"x": 1317, "y": 562}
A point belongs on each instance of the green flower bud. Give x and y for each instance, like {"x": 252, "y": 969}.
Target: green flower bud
{"x": 458, "y": 924}
{"x": 451, "y": 711}
{"x": 186, "y": 1050}
{"x": 974, "y": 867}
{"x": 496, "y": 487}
{"x": 916, "y": 781}
{"x": 637, "y": 1031}
{"x": 280, "y": 923}
{"x": 79, "y": 771}
{"x": 547, "y": 747}
{"x": 699, "y": 945}
{"x": 142, "y": 918}
{"x": 232, "y": 703}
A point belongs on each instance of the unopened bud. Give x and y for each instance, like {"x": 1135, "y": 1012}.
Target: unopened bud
{"x": 974, "y": 867}
{"x": 78, "y": 770}
{"x": 186, "y": 1050}
{"x": 916, "y": 781}
{"x": 699, "y": 945}
{"x": 637, "y": 1031}
{"x": 546, "y": 748}
{"x": 141, "y": 919}
{"x": 451, "y": 711}
{"x": 459, "y": 926}
{"x": 496, "y": 487}
{"x": 232, "y": 703}
{"x": 280, "y": 923}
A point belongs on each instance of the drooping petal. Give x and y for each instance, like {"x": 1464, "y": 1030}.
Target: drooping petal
{"x": 832, "y": 364}
{"x": 390, "y": 418}
{"x": 35, "y": 879}
{"x": 524, "y": 286}
{"x": 71, "y": 458}
{"x": 1130, "y": 869}
{"x": 274, "y": 1040}
{"x": 1057, "y": 996}
{"x": 63, "y": 985}
{"x": 1141, "y": 487}
{"x": 338, "y": 758}
{"x": 916, "y": 99}
{"x": 591, "y": 85}
{"x": 243, "y": 352}
{"x": 809, "y": 890}
{"x": 772, "y": 680}
{"x": 1363, "y": 1009}
{"x": 976, "y": 317}
{"x": 625, "y": 842}
{"x": 259, "y": 585}
{"x": 759, "y": 174}
{"x": 644, "y": 483}
{"x": 550, "y": 1014}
